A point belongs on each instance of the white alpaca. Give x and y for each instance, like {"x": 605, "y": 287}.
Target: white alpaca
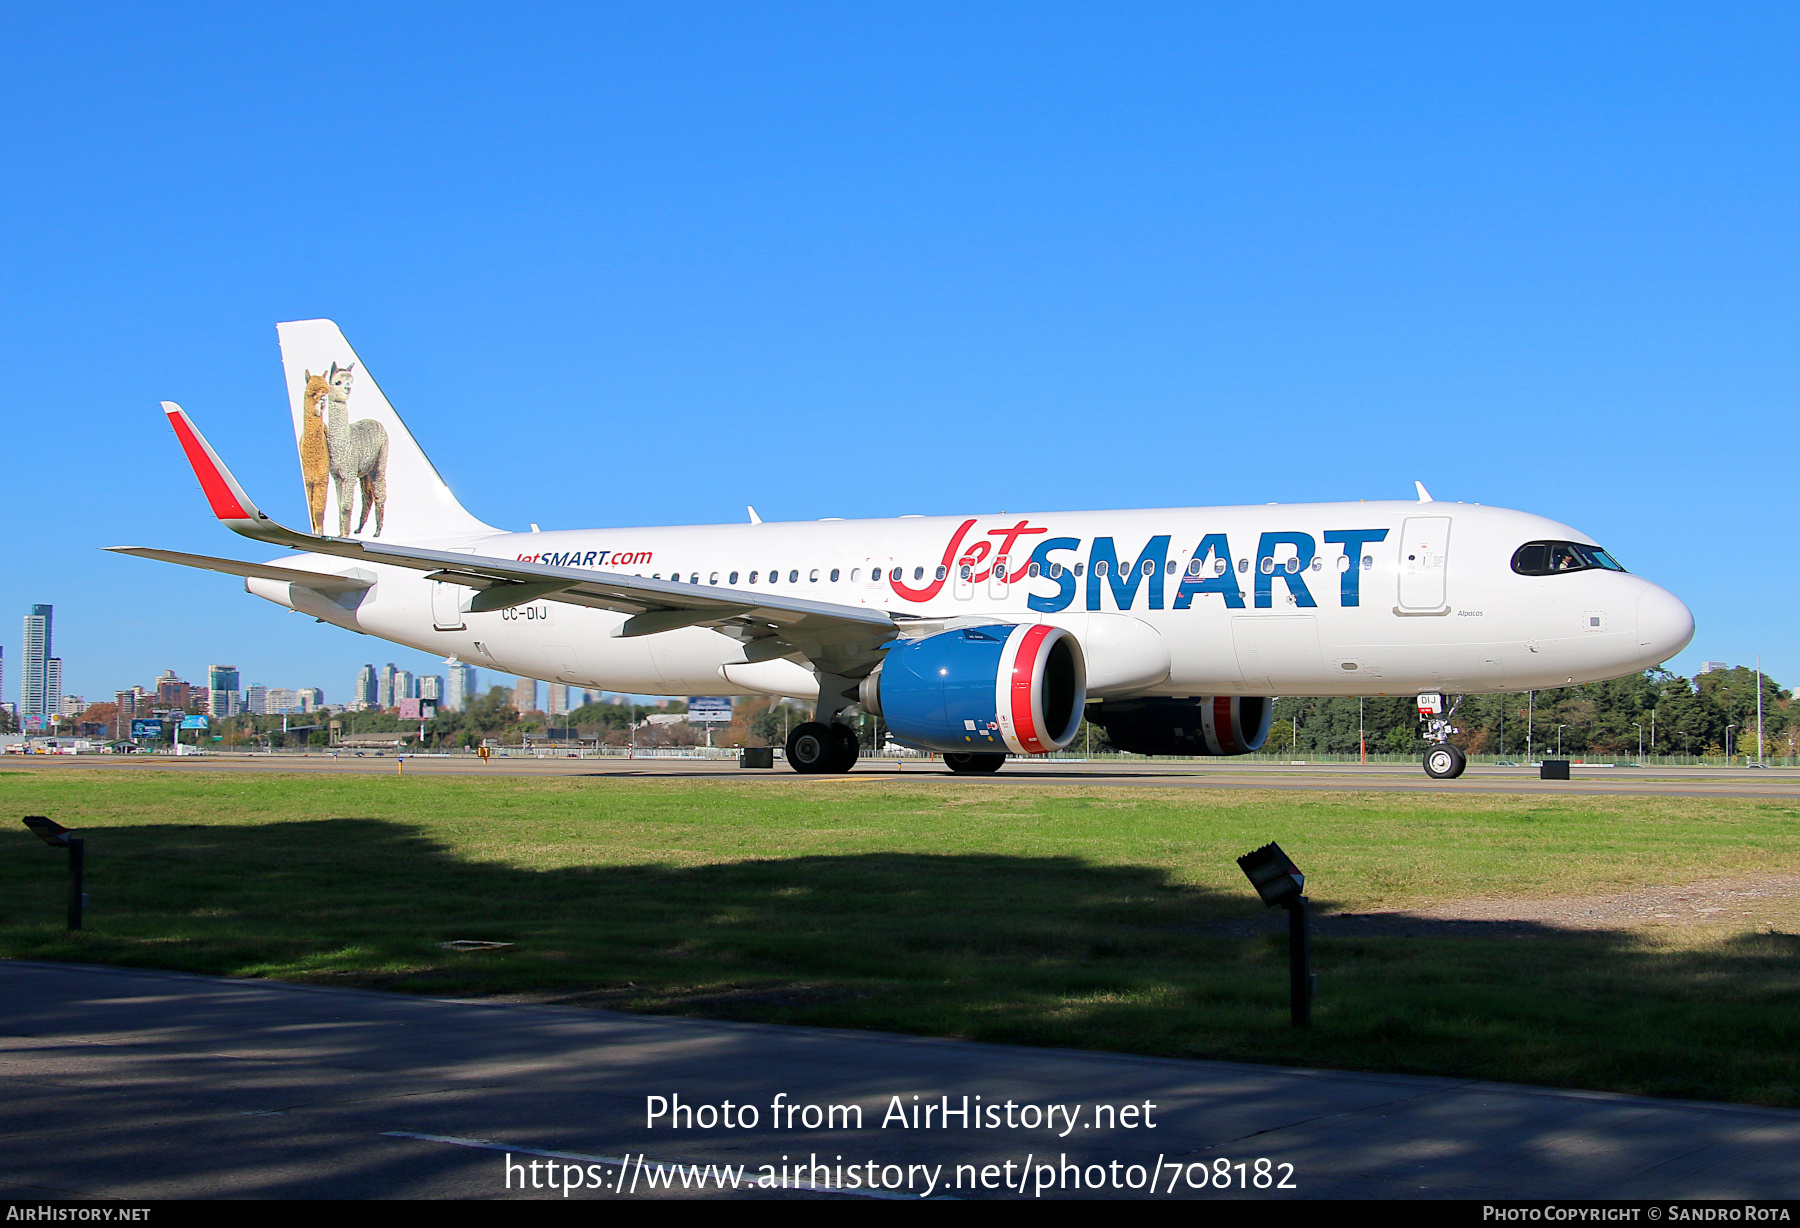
{"x": 359, "y": 453}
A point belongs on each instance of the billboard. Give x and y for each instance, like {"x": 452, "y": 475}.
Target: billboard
{"x": 146, "y": 731}
{"x": 709, "y": 710}
{"x": 193, "y": 722}
{"x": 416, "y": 709}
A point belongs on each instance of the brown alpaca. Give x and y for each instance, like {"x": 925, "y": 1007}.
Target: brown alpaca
{"x": 315, "y": 455}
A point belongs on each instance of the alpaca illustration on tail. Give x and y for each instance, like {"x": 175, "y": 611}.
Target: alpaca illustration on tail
{"x": 359, "y": 452}
{"x": 371, "y": 453}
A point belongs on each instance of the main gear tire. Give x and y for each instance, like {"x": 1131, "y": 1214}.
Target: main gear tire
{"x": 812, "y": 747}
{"x": 849, "y": 750}
{"x": 973, "y": 763}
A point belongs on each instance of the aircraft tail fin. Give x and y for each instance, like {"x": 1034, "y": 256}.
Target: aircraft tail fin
{"x": 365, "y": 476}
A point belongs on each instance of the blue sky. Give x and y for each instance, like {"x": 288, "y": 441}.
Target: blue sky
{"x": 646, "y": 264}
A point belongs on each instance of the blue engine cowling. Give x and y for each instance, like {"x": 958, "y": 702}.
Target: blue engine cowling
{"x": 1202, "y": 725}
{"x": 997, "y": 688}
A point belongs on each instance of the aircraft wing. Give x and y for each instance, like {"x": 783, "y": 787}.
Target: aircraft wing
{"x": 837, "y": 639}
{"x": 322, "y": 581}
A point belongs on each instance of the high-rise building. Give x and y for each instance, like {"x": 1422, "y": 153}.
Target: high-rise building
{"x": 463, "y": 679}
{"x": 2, "y": 671}
{"x": 557, "y": 701}
{"x": 256, "y": 700}
{"x": 384, "y": 697}
{"x": 275, "y": 700}
{"x": 525, "y": 695}
{"x": 311, "y": 698}
{"x": 368, "y": 689}
{"x": 222, "y": 690}
{"x": 53, "y": 696}
{"x": 72, "y": 705}
{"x": 431, "y": 686}
{"x": 34, "y": 697}
{"x": 405, "y": 686}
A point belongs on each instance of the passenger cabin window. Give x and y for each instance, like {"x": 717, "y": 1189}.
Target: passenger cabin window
{"x": 1554, "y": 558}
{"x": 874, "y": 573}
{"x": 940, "y": 573}
{"x": 794, "y": 577}
{"x": 834, "y": 575}
{"x": 918, "y": 573}
{"x": 734, "y": 578}
{"x": 753, "y": 576}
{"x": 813, "y": 576}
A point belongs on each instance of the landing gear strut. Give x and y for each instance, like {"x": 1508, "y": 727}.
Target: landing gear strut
{"x": 1443, "y": 761}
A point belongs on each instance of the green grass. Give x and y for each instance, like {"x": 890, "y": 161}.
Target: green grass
{"x": 1017, "y": 913}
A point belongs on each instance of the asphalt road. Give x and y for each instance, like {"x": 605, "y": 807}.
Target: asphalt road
{"x": 1781, "y": 783}
{"x": 131, "y": 1084}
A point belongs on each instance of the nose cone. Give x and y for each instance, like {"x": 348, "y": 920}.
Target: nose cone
{"x": 1664, "y": 624}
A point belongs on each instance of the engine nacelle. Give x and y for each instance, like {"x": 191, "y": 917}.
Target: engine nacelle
{"x": 994, "y": 688}
{"x": 1203, "y": 725}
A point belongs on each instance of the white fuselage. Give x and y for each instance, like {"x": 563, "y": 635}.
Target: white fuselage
{"x": 1297, "y": 599}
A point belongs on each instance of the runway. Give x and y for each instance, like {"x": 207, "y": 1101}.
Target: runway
{"x": 150, "y": 1085}
{"x": 1772, "y": 783}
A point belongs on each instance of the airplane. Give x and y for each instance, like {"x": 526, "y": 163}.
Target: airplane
{"x": 977, "y": 637}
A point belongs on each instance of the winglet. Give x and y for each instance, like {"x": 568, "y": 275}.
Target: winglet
{"x": 754, "y": 518}
{"x": 227, "y": 499}
{"x": 1424, "y": 495}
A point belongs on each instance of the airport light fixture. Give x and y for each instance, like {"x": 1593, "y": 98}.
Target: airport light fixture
{"x": 1278, "y": 881}
{"x": 1274, "y": 875}
{"x": 59, "y": 837}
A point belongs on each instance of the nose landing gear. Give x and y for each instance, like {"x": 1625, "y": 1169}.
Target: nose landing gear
{"x": 1443, "y": 761}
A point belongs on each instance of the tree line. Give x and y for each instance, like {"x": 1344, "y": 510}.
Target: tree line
{"x": 1677, "y": 716}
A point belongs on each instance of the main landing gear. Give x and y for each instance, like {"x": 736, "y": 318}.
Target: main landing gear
{"x": 1443, "y": 761}
{"x": 817, "y": 747}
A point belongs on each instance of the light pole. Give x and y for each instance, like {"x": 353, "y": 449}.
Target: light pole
{"x": 1728, "y": 730}
{"x": 1640, "y": 730}
{"x": 1759, "y": 723}
{"x": 1559, "y": 730}
{"x": 1530, "y": 703}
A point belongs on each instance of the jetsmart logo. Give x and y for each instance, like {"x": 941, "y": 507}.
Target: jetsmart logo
{"x": 590, "y": 558}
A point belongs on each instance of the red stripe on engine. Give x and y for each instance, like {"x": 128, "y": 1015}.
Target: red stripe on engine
{"x": 1224, "y": 728}
{"x": 1024, "y": 667}
{"x": 218, "y": 491}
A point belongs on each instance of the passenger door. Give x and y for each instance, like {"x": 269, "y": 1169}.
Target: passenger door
{"x": 1424, "y": 555}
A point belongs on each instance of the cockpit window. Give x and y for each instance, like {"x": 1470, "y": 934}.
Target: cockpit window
{"x": 1554, "y": 558}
